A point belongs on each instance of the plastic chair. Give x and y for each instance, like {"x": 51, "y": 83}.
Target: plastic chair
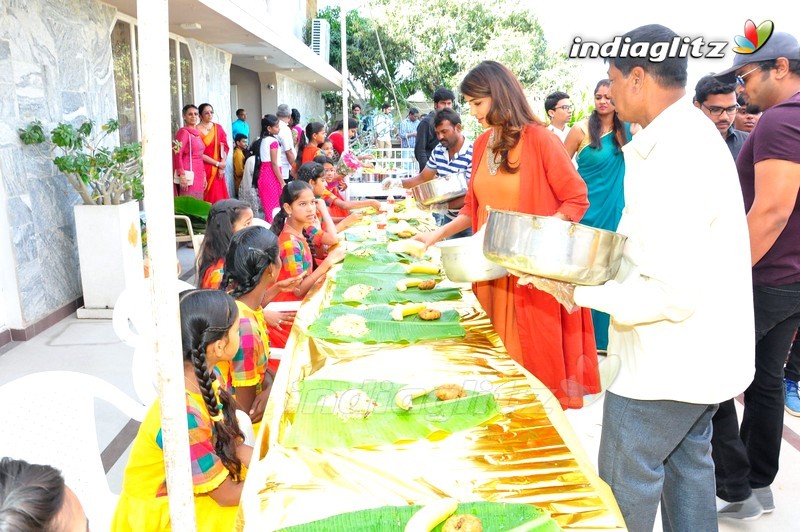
{"x": 195, "y": 238}
{"x": 133, "y": 324}
{"x": 57, "y": 426}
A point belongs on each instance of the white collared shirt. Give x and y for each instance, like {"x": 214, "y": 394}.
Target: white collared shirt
{"x": 560, "y": 133}
{"x": 681, "y": 306}
{"x": 286, "y": 142}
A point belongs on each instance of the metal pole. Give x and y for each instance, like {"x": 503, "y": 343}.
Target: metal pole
{"x": 345, "y": 114}
{"x": 154, "y": 85}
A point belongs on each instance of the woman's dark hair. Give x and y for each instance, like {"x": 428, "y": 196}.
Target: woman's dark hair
{"x": 595, "y": 128}
{"x": 219, "y": 231}
{"x": 187, "y": 107}
{"x": 295, "y": 117}
{"x": 203, "y": 107}
{"x": 267, "y": 122}
{"x": 310, "y": 171}
{"x": 289, "y": 195}
{"x": 312, "y": 128}
{"x": 31, "y": 496}
{"x": 322, "y": 159}
{"x": 207, "y": 316}
{"x": 339, "y": 126}
{"x": 251, "y": 252}
{"x": 510, "y": 111}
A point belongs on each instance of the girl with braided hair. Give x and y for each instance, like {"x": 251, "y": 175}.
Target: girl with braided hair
{"x": 251, "y": 267}
{"x": 224, "y": 219}
{"x": 209, "y": 335}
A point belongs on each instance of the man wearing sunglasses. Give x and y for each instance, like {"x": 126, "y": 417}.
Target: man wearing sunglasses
{"x": 717, "y": 100}
{"x": 746, "y": 459}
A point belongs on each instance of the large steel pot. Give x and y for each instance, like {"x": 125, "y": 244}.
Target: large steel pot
{"x": 443, "y": 188}
{"x": 552, "y": 248}
{"x": 464, "y": 262}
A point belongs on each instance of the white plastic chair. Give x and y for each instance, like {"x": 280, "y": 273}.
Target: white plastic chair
{"x": 55, "y": 425}
{"x": 133, "y": 324}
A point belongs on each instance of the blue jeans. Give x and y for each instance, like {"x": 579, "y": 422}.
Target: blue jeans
{"x": 449, "y": 216}
{"x": 653, "y": 451}
{"x": 748, "y": 458}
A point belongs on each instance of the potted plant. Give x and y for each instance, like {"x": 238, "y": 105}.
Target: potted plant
{"x": 109, "y": 181}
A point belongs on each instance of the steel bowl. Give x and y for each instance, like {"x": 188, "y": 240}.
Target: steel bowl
{"x": 552, "y": 248}
{"x": 441, "y": 189}
{"x": 464, "y": 262}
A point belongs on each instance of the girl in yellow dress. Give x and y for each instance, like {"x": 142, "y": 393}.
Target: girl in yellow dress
{"x": 209, "y": 334}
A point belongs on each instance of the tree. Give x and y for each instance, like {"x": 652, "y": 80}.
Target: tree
{"x": 375, "y": 71}
{"x": 450, "y": 38}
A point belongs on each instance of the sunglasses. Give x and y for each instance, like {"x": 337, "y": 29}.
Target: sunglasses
{"x": 740, "y": 80}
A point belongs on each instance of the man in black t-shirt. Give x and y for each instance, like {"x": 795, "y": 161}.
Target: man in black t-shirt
{"x": 426, "y": 136}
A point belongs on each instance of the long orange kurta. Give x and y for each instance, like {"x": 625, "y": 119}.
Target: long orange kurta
{"x": 554, "y": 345}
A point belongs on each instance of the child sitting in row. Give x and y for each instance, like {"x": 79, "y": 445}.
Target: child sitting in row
{"x": 251, "y": 267}
{"x": 298, "y": 237}
{"x": 209, "y": 335}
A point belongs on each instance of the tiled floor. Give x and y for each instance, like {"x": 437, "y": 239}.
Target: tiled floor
{"x": 90, "y": 346}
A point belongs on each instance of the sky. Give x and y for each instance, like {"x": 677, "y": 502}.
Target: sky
{"x": 602, "y": 21}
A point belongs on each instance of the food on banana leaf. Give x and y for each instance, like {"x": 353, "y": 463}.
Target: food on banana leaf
{"x": 421, "y": 266}
{"x": 357, "y": 292}
{"x": 364, "y": 252}
{"x": 431, "y": 515}
{"x": 350, "y": 404}
{"x": 351, "y": 325}
{"x": 401, "y": 311}
{"x": 462, "y": 523}
{"x": 448, "y": 392}
{"x": 427, "y": 284}
{"x": 402, "y": 227}
{"x": 429, "y": 314}
{"x": 412, "y": 247}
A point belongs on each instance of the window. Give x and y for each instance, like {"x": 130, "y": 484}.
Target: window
{"x": 124, "y": 40}
{"x": 122, "y": 50}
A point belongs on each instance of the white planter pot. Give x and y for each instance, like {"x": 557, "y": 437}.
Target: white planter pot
{"x": 110, "y": 252}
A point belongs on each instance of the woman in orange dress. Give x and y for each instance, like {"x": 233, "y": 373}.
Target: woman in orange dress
{"x": 214, "y": 155}
{"x": 518, "y": 165}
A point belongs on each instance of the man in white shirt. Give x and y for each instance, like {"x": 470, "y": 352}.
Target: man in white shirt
{"x": 681, "y": 306}
{"x": 559, "y": 111}
{"x": 287, "y": 154}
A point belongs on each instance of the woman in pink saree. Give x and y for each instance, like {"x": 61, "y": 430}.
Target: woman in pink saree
{"x": 214, "y": 156}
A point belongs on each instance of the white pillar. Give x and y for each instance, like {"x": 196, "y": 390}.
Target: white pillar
{"x": 154, "y": 85}
{"x": 345, "y": 113}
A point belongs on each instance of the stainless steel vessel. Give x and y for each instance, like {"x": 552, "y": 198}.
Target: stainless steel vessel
{"x": 441, "y": 189}
{"x": 464, "y": 262}
{"x": 552, "y": 248}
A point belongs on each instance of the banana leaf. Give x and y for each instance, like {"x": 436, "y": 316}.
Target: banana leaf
{"x": 385, "y": 289}
{"x": 354, "y": 263}
{"x": 494, "y": 516}
{"x": 382, "y": 328}
{"x": 378, "y": 253}
{"x": 197, "y": 211}
{"x": 317, "y": 425}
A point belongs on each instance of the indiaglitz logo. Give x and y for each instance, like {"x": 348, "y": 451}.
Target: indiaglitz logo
{"x": 655, "y": 52}
{"x": 754, "y": 37}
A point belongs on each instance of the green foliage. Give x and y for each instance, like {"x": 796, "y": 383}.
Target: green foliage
{"x": 102, "y": 175}
{"x": 365, "y": 40}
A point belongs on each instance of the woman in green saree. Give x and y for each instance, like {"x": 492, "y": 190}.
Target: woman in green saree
{"x": 597, "y": 142}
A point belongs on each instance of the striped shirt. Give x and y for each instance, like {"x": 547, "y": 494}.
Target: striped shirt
{"x": 441, "y": 163}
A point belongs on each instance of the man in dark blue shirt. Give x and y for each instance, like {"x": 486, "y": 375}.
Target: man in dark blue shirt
{"x": 717, "y": 100}
{"x": 426, "y": 136}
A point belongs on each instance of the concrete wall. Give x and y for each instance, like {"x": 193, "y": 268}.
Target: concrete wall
{"x": 55, "y": 64}
{"x": 300, "y": 96}
{"x": 249, "y": 92}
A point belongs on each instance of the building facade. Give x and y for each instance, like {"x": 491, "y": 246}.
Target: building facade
{"x": 73, "y": 60}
